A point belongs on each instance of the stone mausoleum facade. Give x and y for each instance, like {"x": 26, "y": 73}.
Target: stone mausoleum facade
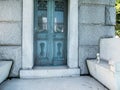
{"x": 45, "y": 35}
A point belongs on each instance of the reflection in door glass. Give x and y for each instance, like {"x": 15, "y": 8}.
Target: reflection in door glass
{"x": 42, "y": 15}
{"x": 59, "y": 16}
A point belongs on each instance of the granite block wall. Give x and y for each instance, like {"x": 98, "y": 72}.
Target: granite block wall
{"x": 96, "y": 21}
{"x": 11, "y": 32}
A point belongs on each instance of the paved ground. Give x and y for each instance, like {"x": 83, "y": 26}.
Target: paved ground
{"x": 66, "y": 83}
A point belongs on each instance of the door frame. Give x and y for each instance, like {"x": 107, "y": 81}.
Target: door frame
{"x": 28, "y": 32}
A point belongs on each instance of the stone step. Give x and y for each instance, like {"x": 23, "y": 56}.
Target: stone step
{"x": 46, "y": 72}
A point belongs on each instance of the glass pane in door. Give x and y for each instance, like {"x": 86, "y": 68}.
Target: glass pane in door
{"x": 42, "y": 15}
{"x": 59, "y": 16}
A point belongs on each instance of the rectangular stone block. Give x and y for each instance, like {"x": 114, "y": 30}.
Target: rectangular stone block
{"x": 105, "y": 2}
{"x": 10, "y": 33}
{"x": 92, "y": 14}
{"x": 13, "y": 53}
{"x": 112, "y": 2}
{"x": 86, "y": 52}
{"x": 49, "y": 72}
{"x": 110, "y": 49}
{"x": 110, "y": 15}
{"x": 10, "y": 10}
{"x": 91, "y": 34}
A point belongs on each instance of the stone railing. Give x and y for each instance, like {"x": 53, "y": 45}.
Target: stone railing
{"x": 107, "y": 68}
{"x": 5, "y": 67}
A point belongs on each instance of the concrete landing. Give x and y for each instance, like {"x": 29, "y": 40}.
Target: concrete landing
{"x": 66, "y": 83}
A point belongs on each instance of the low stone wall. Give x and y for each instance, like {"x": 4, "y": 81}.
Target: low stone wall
{"x": 102, "y": 72}
{"x": 5, "y": 67}
{"x": 107, "y": 69}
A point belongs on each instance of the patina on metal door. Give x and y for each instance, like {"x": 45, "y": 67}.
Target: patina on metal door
{"x": 50, "y": 32}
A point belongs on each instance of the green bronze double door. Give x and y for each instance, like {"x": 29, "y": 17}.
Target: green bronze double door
{"x": 50, "y": 32}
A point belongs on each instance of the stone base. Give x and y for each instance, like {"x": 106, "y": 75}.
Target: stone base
{"x": 101, "y": 71}
{"x": 5, "y": 67}
{"x": 45, "y": 72}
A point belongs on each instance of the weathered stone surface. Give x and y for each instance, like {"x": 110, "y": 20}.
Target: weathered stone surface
{"x": 49, "y": 72}
{"x": 103, "y": 74}
{"x": 110, "y": 18}
{"x": 92, "y": 14}
{"x": 14, "y": 53}
{"x": 110, "y": 49}
{"x": 66, "y": 83}
{"x": 73, "y": 34}
{"x": 86, "y": 52}
{"x": 10, "y": 10}
{"x": 5, "y": 67}
{"x": 27, "y": 34}
{"x": 118, "y": 79}
{"x": 112, "y": 2}
{"x": 91, "y": 34}
{"x": 10, "y": 33}
{"x": 105, "y": 2}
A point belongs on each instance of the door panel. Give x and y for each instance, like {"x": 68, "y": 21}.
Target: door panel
{"x": 42, "y": 55}
{"x": 59, "y": 58}
{"x": 50, "y": 34}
